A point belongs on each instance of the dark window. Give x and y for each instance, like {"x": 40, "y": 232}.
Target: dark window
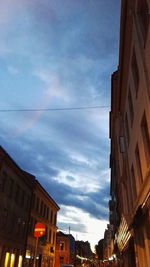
{"x": 41, "y": 208}
{"x": 133, "y": 183}
{"x": 50, "y": 235}
{"x": 22, "y": 198}
{"x": 37, "y": 204}
{"x": 3, "y": 181}
{"x": 146, "y": 138}
{"x": 55, "y": 219}
{"x": 51, "y": 216}
{"x": 10, "y": 187}
{"x": 143, "y": 14}
{"x": 33, "y": 201}
{"x": 138, "y": 164}
{"x": 17, "y": 195}
{"x": 47, "y": 213}
{"x": 131, "y": 107}
{"x": 135, "y": 72}
{"x": 127, "y": 129}
{"x": 53, "y": 237}
{"x": 61, "y": 259}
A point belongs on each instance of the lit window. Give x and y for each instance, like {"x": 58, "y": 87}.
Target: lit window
{"x": 62, "y": 245}
{"x": 20, "y": 261}
{"x": 7, "y": 258}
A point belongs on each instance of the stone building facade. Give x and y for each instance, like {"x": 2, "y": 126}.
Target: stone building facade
{"x": 130, "y": 138}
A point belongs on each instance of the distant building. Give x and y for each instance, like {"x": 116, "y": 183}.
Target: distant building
{"x": 16, "y": 188}
{"x": 84, "y": 253}
{"x": 65, "y": 249}
{"x": 44, "y": 209}
{"x": 130, "y": 138}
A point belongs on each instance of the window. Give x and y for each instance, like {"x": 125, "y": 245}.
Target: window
{"x": 51, "y": 216}
{"x": 47, "y": 213}
{"x": 143, "y": 15}
{"x": 61, "y": 260}
{"x": 41, "y": 208}
{"x": 50, "y": 235}
{"x": 17, "y": 195}
{"x": 10, "y": 187}
{"x": 121, "y": 144}
{"x": 135, "y": 72}
{"x": 37, "y": 204}
{"x": 54, "y": 237}
{"x": 138, "y": 164}
{"x": 133, "y": 183}
{"x": 3, "y": 182}
{"x": 127, "y": 129}
{"x": 146, "y": 138}
{"x": 62, "y": 246}
{"x": 55, "y": 219}
{"x": 131, "y": 107}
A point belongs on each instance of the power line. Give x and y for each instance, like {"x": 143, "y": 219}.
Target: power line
{"x": 52, "y": 109}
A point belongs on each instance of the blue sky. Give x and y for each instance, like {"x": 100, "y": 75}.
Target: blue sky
{"x": 60, "y": 54}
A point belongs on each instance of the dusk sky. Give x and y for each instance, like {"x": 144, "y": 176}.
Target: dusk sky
{"x": 58, "y": 56}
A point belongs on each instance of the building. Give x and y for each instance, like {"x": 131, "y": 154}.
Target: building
{"x": 130, "y": 138}
{"x": 16, "y": 189}
{"x": 65, "y": 249}
{"x": 23, "y": 202}
{"x": 44, "y": 209}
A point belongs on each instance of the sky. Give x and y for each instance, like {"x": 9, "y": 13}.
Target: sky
{"x": 56, "y": 58}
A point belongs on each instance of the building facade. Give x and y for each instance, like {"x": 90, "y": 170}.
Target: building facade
{"x": 65, "y": 249}
{"x": 16, "y": 189}
{"x": 23, "y": 202}
{"x": 44, "y": 209}
{"x": 130, "y": 138}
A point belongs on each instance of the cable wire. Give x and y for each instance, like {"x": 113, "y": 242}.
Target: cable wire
{"x": 52, "y": 109}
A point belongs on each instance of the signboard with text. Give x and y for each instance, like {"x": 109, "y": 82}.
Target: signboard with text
{"x": 39, "y": 229}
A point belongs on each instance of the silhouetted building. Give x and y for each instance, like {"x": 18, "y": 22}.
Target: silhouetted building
{"x": 130, "y": 137}
{"x": 23, "y": 202}
{"x": 16, "y": 189}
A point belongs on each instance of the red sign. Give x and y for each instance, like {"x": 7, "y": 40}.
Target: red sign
{"x": 39, "y": 229}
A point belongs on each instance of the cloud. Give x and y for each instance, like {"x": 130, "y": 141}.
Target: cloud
{"x": 58, "y": 54}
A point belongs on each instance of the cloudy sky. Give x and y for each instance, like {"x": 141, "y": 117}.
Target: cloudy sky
{"x": 57, "y": 57}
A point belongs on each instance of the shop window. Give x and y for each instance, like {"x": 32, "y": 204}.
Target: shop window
{"x": 146, "y": 138}
{"x": 143, "y": 15}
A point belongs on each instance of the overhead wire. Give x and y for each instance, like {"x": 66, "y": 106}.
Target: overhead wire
{"x": 53, "y": 109}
